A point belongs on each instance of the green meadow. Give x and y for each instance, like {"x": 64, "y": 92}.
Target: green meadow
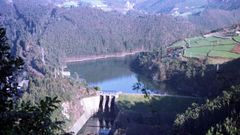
{"x": 210, "y": 46}
{"x": 160, "y": 104}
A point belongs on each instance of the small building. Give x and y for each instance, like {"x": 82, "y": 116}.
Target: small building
{"x": 65, "y": 72}
{"x": 62, "y": 72}
{"x": 24, "y": 84}
{"x": 238, "y": 32}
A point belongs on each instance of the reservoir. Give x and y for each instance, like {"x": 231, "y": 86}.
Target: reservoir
{"x": 110, "y": 74}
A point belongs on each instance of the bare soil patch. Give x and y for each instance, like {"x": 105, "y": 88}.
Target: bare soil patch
{"x": 218, "y": 60}
{"x": 236, "y": 49}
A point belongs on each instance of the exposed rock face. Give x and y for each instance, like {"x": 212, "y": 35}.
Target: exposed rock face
{"x": 72, "y": 110}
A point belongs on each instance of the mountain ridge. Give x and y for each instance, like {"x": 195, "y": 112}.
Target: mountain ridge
{"x": 85, "y": 31}
{"x": 173, "y": 7}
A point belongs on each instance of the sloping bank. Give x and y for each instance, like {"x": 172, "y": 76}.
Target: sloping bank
{"x": 140, "y": 116}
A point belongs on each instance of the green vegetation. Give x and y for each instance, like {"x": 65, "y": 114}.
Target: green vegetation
{"x": 224, "y": 47}
{"x": 218, "y": 51}
{"x": 84, "y": 31}
{"x": 197, "y": 51}
{"x": 66, "y": 89}
{"x": 97, "y": 88}
{"x": 237, "y": 38}
{"x": 153, "y": 115}
{"x": 139, "y": 103}
{"x": 200, "y": 47}
{"x": 176, "y": 75}
{"x": 219, "y": 116}
{"x": 224, "y": 54}
{"x": 22, "y": 117}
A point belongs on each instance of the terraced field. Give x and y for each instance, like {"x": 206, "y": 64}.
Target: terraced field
{"x": 210, "y": 46}
{"x": 223, "y": 54}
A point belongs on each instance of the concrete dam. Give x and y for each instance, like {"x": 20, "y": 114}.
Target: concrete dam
{"x": 101, "y": 105}
{"x": 107, "y": 102}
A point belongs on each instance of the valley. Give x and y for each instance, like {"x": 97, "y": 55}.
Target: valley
{"x": 120, "y": 75}
{"x": 84, "y": 31}
{"x": 124, "y": 67}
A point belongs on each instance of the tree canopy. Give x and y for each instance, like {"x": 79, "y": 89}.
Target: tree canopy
{"x": 22, "y": 117}
{"x": 219, "y": 116}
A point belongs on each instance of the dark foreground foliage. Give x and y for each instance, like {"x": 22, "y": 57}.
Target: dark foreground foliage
{"x": 220, "y": 116}
{"x": 22, "y": 117}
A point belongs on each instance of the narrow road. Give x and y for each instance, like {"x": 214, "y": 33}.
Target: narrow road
{"x": 141, "y": 94}
{"x": 165, "y": 95}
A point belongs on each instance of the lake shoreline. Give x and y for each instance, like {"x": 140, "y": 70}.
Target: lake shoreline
{"x": 97, "y": 57}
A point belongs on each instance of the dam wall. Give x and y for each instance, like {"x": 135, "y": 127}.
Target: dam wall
{"x": 90, "y": 107}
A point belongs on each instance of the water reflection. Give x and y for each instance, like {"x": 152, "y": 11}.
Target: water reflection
{"x": 102, "y": 122}
{"x": 97, "y": 71}
{"x": 112, "y": 74}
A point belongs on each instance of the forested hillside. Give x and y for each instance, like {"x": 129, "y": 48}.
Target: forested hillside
{"x": 195, "y": 75}
{"x": 43, "y": 33}
{"x": 188, "y": 65}
{"x": 93, "y": 32}
{"x": 189, "y": 77}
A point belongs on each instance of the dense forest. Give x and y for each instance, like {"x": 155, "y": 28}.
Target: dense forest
{"x": 20, "y": 116}
{"x": 216, "y": 116}
{"x": 44, "y": 34}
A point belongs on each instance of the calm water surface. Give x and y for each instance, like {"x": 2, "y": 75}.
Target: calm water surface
{"x": 111, "y": 74}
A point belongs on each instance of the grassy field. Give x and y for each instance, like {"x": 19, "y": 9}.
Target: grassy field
{"x": 157, "y": 104}
{"x": 237, "y": 38}
{"x": 214, "y": 46}
{"x": 224, "y": 54}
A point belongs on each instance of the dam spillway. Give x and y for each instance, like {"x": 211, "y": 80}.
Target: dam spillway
{"x": 107, "y": 103}
{"x": 103, "y": 106}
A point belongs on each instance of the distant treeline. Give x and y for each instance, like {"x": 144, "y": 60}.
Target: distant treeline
{"x": 84, "y": 31}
